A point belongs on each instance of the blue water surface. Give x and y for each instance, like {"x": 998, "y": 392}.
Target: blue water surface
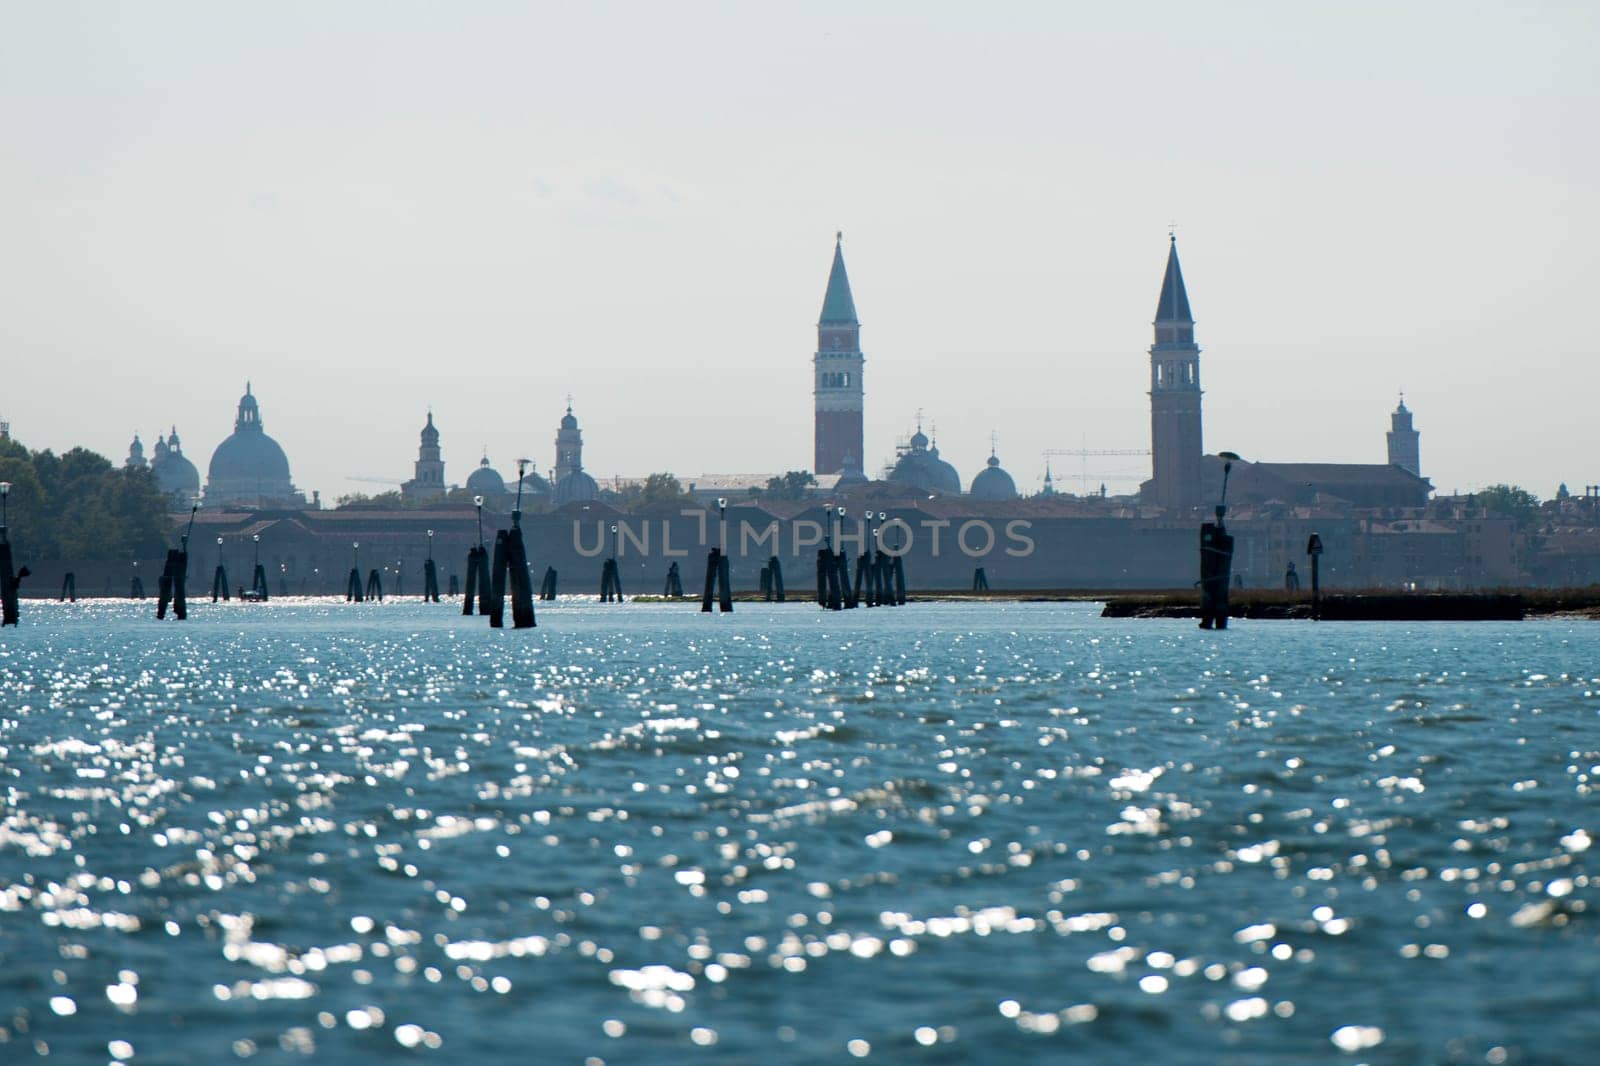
{"x": 939, "y": 833}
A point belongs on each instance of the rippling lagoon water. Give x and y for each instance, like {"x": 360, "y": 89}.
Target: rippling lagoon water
{"x": 962, "y": 833}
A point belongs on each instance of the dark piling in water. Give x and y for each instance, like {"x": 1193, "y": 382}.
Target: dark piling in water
{"x": 258, "y": 584}
{"x": 374, "y": 585}
{"x": 497, "y": 583}
{"x": 219, "y": 585}
{"x": 136, "y": 588}
{"x": 764, "y": 584}
{"x": 724, "y": 586}
{"x": 776, "y": 569}
{"x": 610, "y": 582}
{"x": 473, "y": 560}
{"x": 455, "y": 586}
{"x": 713, "y": 568}
{"x": 430, "y": 582}
{"x": 10, "y": 613}
{"x": 352, "y": 591}
{"x": 1216, "y": 558}
{"x": 517, "y": 575}
{"x": 674, "y": 583}
{"x": 980, "y": 580}
{"x": 69, "y": 588}
{"x": 547, "y": 587}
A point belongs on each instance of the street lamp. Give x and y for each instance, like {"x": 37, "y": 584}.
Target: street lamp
{"x": 430, "y": 545}
{"x": 841, "y": 530}
{"x": 1228, "y": 459}
{"x": 257, "y": 538}
{"x": 355, "y": 555}
{"x": 522, "y": 472}
{"x": 722, "y": 524}
{"x": 5, "y": 509}
{"x": 479, "y": 501}
{"x": 613, "y": 540}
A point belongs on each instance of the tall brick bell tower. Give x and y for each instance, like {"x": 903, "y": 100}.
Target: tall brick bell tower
{"x": 1175, "y": 446}
{"x": 837, "y": 384}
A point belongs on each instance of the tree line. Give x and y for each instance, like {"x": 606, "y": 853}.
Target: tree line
{"x": 80, "y": 505}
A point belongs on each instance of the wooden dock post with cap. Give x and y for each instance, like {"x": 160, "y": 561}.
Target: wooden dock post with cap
{"x": 1314, "y": 549}
{"x": 1216, "y": 558}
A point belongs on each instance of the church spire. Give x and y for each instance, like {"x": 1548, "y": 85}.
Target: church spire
{"x": 1174, "y": 303}
{"x": 838, "y": 306}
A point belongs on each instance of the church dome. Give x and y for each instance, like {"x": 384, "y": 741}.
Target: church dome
{"x": 430, "y": 432}
{"x": 535, "y": 485}
{"x": 993, "y": 483}
{"x": 486, "y": 481}
{"x": 136, "y": 454}
{"x": 569, "y": 420}
{"x": 247, "y": 468}
{"x": 576, "y": 486}
{"x": 175, "y": 474}
{"x": 919, "y": 465}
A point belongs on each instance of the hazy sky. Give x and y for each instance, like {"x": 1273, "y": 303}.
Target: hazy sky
{"x": 371, "y": 208}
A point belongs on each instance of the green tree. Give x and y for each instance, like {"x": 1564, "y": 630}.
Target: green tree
{"x": 1512, "y": 501}
{"x": 78, "y": 506}
{"x": 656, "y": 490}
{"x": 360, "y": 501}
{"x": 795, "y": 485}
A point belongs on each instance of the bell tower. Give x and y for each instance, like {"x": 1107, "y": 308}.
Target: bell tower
{"x": 427, "y": 482}
{"x": 837, "y": 376}
{"x": 1175, "y": 446}
{"x": 1404, "y": 440}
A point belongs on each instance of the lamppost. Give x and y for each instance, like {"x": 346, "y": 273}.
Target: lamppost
{"x": 5, "y": 508}
{"x": 837, "y": 542}
{"x": 722, "y": 524}
{"x": 478, "y": 500}
{"x": 219, "y": 551}
{"x": 430, "y": 545}
{"x": 613, "y": 540}
{"x": 257, "y": 538}
{"x": 522, "y": 472}
{"x": 355, "y": 556}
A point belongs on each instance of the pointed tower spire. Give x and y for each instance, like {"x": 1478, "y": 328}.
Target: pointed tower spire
{"x": 1174, "y": 303}
{"x": 838, "y": 306}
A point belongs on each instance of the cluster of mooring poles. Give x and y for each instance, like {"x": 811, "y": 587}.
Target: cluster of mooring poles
{"x": 719, "y": 584}
{"x": 880, "y": 577}
{"x": 491, "y": 578}
{"x": 172, "y": 587}
{"x": 772, "y": 581}
{"x": 1216, "y": 558}
{"x": 9, "y": 579}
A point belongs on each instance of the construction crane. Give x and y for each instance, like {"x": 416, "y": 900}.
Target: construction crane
{"x": 1084, "y": 454}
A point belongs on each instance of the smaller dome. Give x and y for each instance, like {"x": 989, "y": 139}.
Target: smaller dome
{"x": 576, "y": 486}
{"x": 175, "y": 474}
{"x": 136, "y": 453}
{"x": 430, "y": 434}
{"x": 993, "y": 483}
{"x": 486, "y": 481}
{"x": 919, "y": 441}
{"x": 568, "y": 420}
{"x": 533, "y": 484}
